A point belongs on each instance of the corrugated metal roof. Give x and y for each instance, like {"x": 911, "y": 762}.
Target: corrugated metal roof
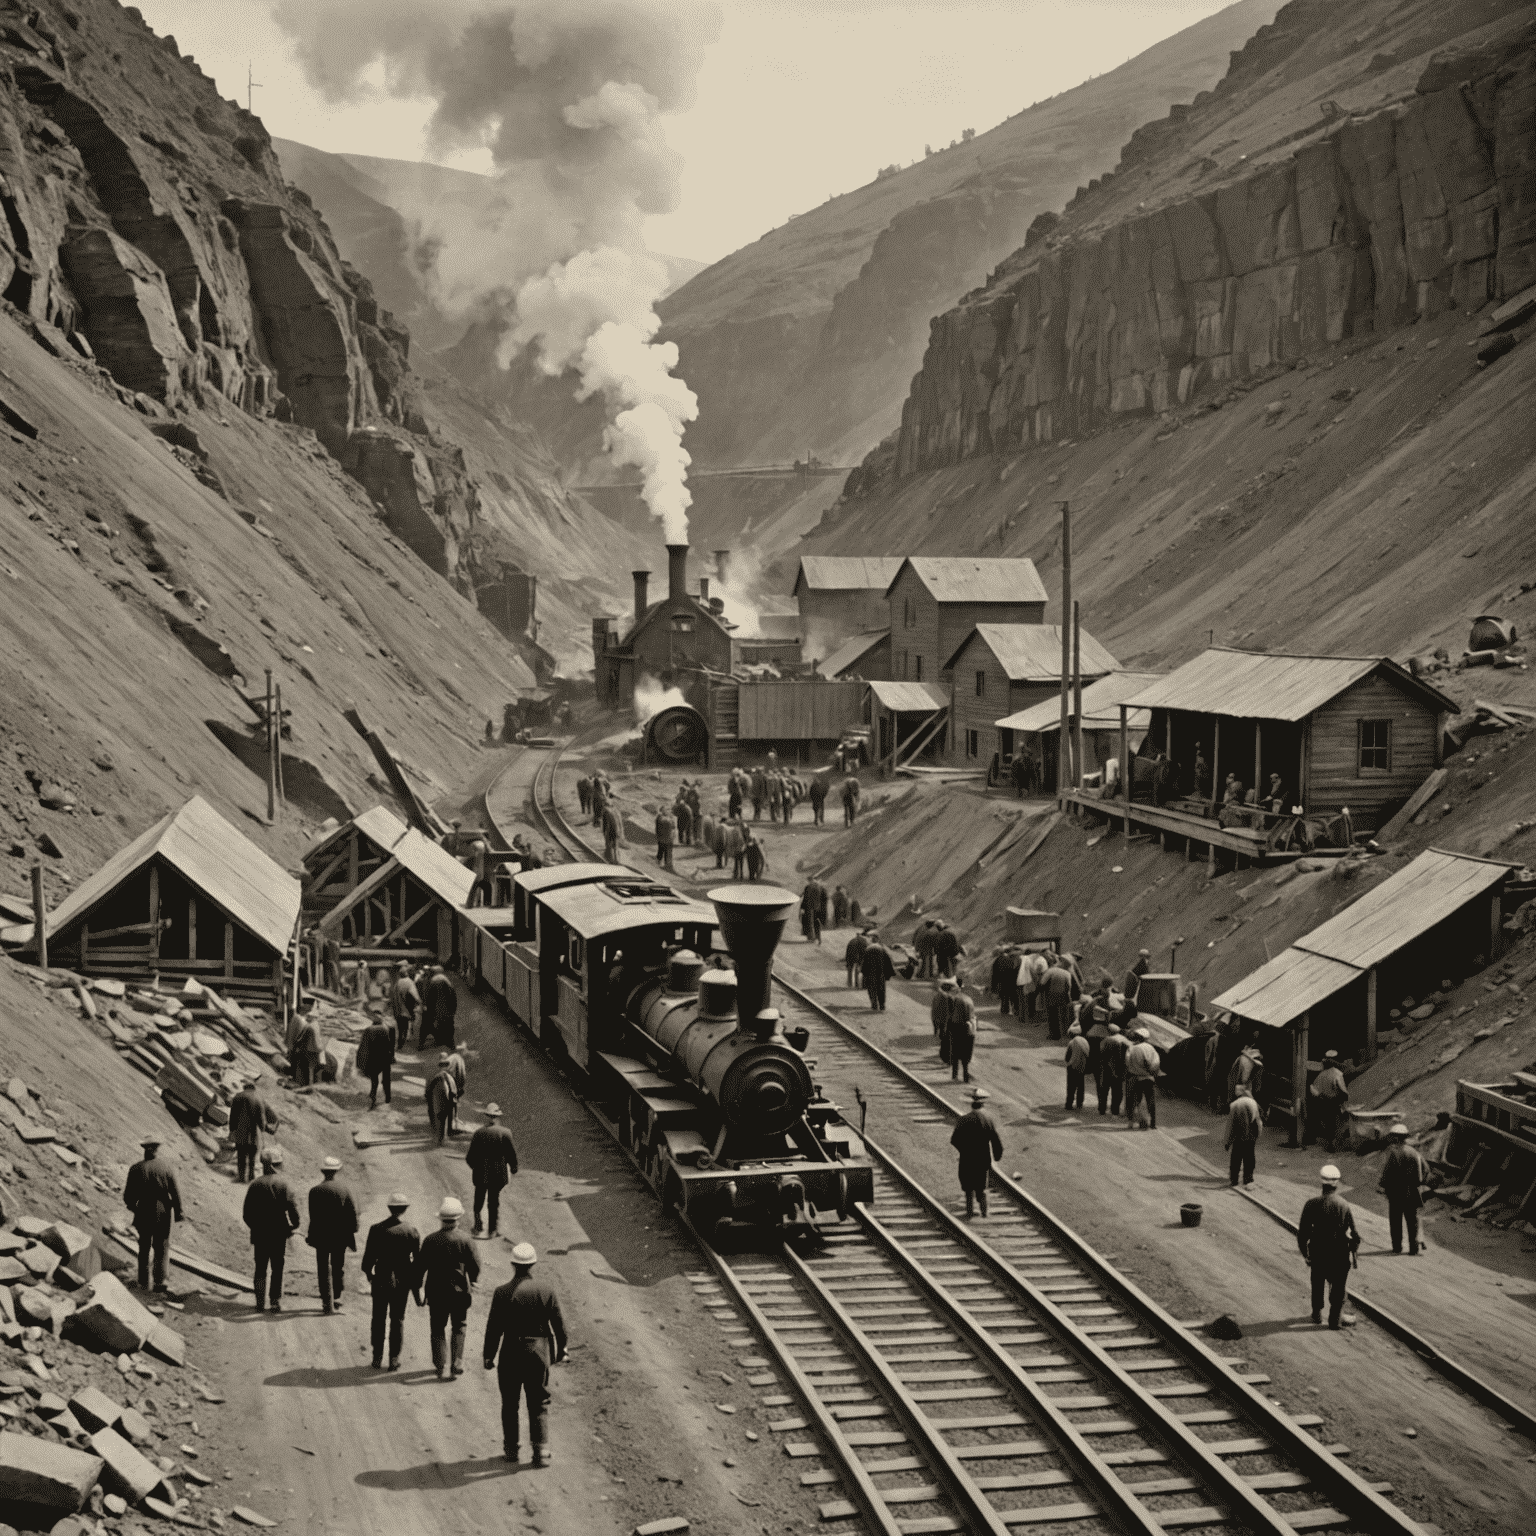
{"x": 210, "y": 854}
{"x": 594, "y": 909}
{"x": 1404, "y": 907}
{"x": 847, "y": 573}
{"x": 1285, "y": 988}
{"x": 911, "y": 698}
{"x": 965, "y": 579}
{"x": 435, "y": 867}
{"x": 1262, "y": 685}
{"x": 1101, "y": 709}
{"x": 851, "y": 651}
{"x": 1031, "y": 653}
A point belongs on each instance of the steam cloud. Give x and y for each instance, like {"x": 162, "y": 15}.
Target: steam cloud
{"x": 570, "y": 97}
{"x": 651, "y": 697}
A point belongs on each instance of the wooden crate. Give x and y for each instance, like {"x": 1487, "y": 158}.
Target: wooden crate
{"x": 1023, "y": 925}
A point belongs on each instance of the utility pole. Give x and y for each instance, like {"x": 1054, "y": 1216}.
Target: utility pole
{"x": 277, "y": 699}
{"x": 1064, "y": 749}
{"x": 251, "y": 84}
{"x": 39, "y": 916}
{"x": 1077, "y": 692}
{"x": 271, "y": 756}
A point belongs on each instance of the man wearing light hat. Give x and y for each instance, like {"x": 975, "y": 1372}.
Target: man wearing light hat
{"x": 332, "y": 1230}
{"x": 153, "y": 1196}
{"x": 447, "y": 1268}
{"x": 1077, "y": 1054}
{"x": 272, "y": 1214}
{"x": 1327, "y": 1239}
{"x": 442, "y": 1095}
{"x": 976, "y": 1139}
{"x": 1330, "y": 1096}
{"x": 389, "y": 1266}
{"x": 1244, "y": 1122}
{"x": 525, "y": 1324}
{"x": 1402, "y": 1175}
{"x": 492, "y": 1160}
{"x": 1142, "y": 1065}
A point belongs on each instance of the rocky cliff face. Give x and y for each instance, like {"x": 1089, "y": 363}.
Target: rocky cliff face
{"x": 1372, "y": 221}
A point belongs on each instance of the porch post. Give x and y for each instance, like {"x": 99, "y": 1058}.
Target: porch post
{"x": 1125, "y": 768}
{"x": 1299, "y": 1078}
{"x": 1370, "y": 1014}
{"x": 1216, "y": 765}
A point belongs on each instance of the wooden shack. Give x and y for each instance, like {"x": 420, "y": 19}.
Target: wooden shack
{"x": 1033, "y": 732}
{"x": 1334, "y": 988}
{"x": 908, "y": 721}
{"x": 841, "y": 595}
{"x": 189, "y": 898}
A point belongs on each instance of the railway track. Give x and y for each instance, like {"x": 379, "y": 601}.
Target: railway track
{"x": 937, "y": 1376}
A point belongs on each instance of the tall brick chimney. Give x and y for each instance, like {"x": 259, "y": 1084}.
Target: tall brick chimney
{"x": 677, "y": 572}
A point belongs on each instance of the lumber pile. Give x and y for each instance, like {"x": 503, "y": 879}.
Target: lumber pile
{"x": 1484, "y": 717}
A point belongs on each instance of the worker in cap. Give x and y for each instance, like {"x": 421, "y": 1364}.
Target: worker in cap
{"x": 1078, "y": 1054}
{"x": 1329, "y": 1098}
{"x": 389, "y": 1267}
{"x": 526, "y": 1328}
{"x": 1142, "y": 1068}
{"x": 1244, "y": 1123}
{"x": 1111, "y": 1074}
{"x": 947, "y": 949}
{"x": 375, "y": 1057}
{"x": 443, "y": 1280}
{"x": 272, "y": 1214}
{"x": 1140, "y": 967}
{"x": 154, "y": 1197}
{"x": 977, "y": 1142}
{"x": 332, "y": 1231}
{"x": 1328, "y": 1239}
{"x": 442, "y": 1096}
{"x": 250, "y": 1117}
{"x": 960, "y": 1030}
{"x": 492, "y": 1160}
{"x": 1403, "y": 1176}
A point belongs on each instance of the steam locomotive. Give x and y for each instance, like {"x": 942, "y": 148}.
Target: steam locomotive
{"x": 677, "y": 1045}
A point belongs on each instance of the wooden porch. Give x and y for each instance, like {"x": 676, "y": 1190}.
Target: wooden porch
{"x": 1176, "y": 829}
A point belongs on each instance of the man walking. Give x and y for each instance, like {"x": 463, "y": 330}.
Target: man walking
{"x": 525, "y": 1325}
{"x": 947, "y": 949}
{"x": 851, "y": 791}
{"x": 332, "y": 1231}
{"x": 1142, "y": 1065}
{"x": 441, "y": 1007}
{"x": 249, "y": 1116}
{"x": 584, "y": 794}
{"x": 818, "y": 798}
{"x": 1330, "y": 1096}
{"x": 813, "y": 909}
{"x": 492, "y": 1160}
{"x": 376, "y": 1055}
{"x": 1402, "y": 1176}
{"x": 480, "y": 893}
{"x": 153, "y": 1196}
{"x": 1111, "y": 1074}
{"x": 406, "y": 1002}
{"x": 447, "y": 1268}
{"x": 1078, "y": 1052}
{"x": 1327, "y": 1239}
{"x": 389, "y": 1266}
{"x": 853, "y": 957}
{"x": 306, "y": 1052}
{"x": 666, "y": 836}
{"x": 976, "y": 1139}
{"x": 613, "y": 833}
{"x": 961, "y": 1027}
{"x": 1058, "y": 987}
{"x": 272, "y": 1214}
{"x": 1246, "y": 1072}
{"x": 1243, "y": 1126}
{"x": 840, "y": 907}
{"x": 442, "y": 1097}
{"x": 877, "y": 970}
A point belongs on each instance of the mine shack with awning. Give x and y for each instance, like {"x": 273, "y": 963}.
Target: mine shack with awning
{"x": 1440, "y": 917}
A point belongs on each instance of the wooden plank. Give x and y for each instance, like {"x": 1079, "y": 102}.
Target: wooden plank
{"x": 332, "y": 921}
{"x": 1411, "y": 808}
{"x": 1484, "y": 1129}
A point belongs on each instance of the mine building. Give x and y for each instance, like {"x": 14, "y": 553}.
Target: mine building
{"x": 841, "y": 596}
{"x": 1335, "y": 988}
{"x": 382, "y": 891}
{"x": 1036, "y": 732}
{"x": 866, "y": 655}
{"x": 191, "y": 898}
{"x": 1000, "y": 669}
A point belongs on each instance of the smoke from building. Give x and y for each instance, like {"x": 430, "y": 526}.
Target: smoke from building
{"x": 651, "y": 698}
{"x": 569, "y": 96}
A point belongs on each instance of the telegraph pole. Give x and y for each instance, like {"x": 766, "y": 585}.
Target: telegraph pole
{"x": 1063, "y": 756}
{"x": 251, "y": 84}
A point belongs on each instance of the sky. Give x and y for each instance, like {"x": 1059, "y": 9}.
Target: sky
{"x": 797, "y": 101}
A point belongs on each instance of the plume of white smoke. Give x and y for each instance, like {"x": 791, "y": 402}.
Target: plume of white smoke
{"x": 739, "y": 589}
{"x": 570, "y": 98}
{"x": 651, "y": 698}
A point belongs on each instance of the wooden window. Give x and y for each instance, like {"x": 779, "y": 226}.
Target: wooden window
{"x": 973, "y": 743}
{"x": 1375, "y": 746}
{"x": 981, "y": 685}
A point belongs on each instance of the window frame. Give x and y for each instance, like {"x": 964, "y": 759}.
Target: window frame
{"x": 981, "y": 683}
{"x": 1364, "y": 770}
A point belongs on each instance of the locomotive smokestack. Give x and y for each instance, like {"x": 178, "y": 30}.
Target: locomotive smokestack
{"x": 704, "y": 591}
{"x": 642, "y": 580}
{"x": 752, "y": 922}
{"x": 677, "y": 572}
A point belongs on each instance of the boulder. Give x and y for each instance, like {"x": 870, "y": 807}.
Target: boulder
{"x": 166, "y": 1344}
{"x": 33, "y": 1306}
{"x": 7, "y": 1305}
{"x": 66, "y": 1241}
{"x": 39, "y": 1261}
{"x": 127, "y": 1470}
{"x": 110, "y": 1318}
{"x": 133, "y": 1426}
{"x": 107, "y": 987}
{"x": 12, "y": 1269}
{"x": 95, "y": 1410}
{"x": 36, "y": 1474}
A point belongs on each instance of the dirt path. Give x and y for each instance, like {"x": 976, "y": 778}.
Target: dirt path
{"x": 1121, "y": 1189}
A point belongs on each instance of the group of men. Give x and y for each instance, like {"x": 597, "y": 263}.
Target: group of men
{"x": 937, "y": 947}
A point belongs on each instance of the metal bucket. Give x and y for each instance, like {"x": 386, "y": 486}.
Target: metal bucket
{"x": 1190, "y": 1214}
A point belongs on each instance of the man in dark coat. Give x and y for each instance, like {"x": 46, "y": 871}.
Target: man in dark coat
{"x": 440, "y": 1006}
{"x": 947, "y": 948}
{"x": 613, "y": 833}
{"x": 1402, "y": 1176}
{"x": 853, "y": 957}
{"x": 851, "y": 791}
{"x": 584, "y": 793}
{"x": 759, "y": 793}
{"x": 1330, "y": 1098}
{"x": 406, "y": 1002}
{"x": 447, "y": 1268}
{"x": 922, "y": 947}
{"x": 1132, "y": 987}
{"x": 389, "y": 1267}
{"x": 1327, "y": 1239}
{"x": 376, "y": 1055}
{"x": 1005, "y": 978}
{"x": 306, "y": 1053}
{"x": 332, "y": 1231}
{"x": 272, "y": 1214}
{"x": 153, "y": 1196}
{"x": 840, "y": 908}
{"x": 1111, "y": 1078}
{"x": 442, "y": 1096}
{"x": 249, "y": 1116}
{"x": 961, "y": 1027}
{"x": 1077, "y": 1065}
{"x": 813, "y": 909}
{"x": 818, "y": 798}
{"x": 976, "y": 1139}
{"x": 492, "y": 1160}
{"x": 877, "y": 969}
{"x": 525, "y": 1325}
{"x": 1058, "y": 987}
{"x": 600, "y": 796}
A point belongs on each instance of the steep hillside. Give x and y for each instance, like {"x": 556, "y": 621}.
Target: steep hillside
{"x": 1341, "y": 475}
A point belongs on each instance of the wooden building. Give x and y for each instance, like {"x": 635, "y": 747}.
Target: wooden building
{"x": 1035, "y": 732}
{"x": 802, "y": 719}
{"x": 935, "y": 602}
{"x": 907, "y": 722}
{"x": 866, "y": 656}
{"x": 1000, "y": 669}
{"x": 384, "y": 891}
{"x": 191, "y": 897}
{"x": 842, "y": 595}
{"x": 1332, "y": 989}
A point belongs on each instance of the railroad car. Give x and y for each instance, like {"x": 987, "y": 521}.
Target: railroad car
{"x": 677, "y": 1044}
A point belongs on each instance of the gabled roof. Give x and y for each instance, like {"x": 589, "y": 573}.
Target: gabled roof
{"x": 851, "y": 652}
{"x": 1101, "y": 710}
{"x": 1031, "y": 653}
{"x": 211, "y": 855}
{"x": 376, "y": 824}
{"x": 1263, "y": 685}
{"x": 653, "y": 609}
{"x": 967, "y": 579}
{"x": 435, "y": 867}
{"x": 910, "y": 698}
{"x": 846, "y": 573}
